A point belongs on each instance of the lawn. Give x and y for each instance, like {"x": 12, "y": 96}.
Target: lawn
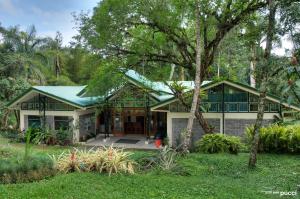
{"x": 210, "y": 176}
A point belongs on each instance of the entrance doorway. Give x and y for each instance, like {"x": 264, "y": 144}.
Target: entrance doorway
{"x": 134, "y": 121}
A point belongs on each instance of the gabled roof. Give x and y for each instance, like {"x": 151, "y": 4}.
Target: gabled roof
{"x": 67, "y": 94}
{"x": 161, "y": 91}
{"x": 237, "y": 85}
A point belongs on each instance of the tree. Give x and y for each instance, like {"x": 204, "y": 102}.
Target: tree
{"x": 161, "y": 32}
{"x": 265, "y": 76}
{"x": 196, "y": 95}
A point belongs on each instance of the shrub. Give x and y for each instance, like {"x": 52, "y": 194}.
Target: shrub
{"x": 277, "y": 139}
{"x": 13, "y": 135}
{"x": 109, "y": 160}
{"x": 216, "y": 143}
{"x": 19, "y": 170}
{"x": 64, "y": 137}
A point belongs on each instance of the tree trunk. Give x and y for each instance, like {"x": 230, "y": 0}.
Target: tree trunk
{"x": 196, "y": 97}
{"x": 252, "y": 66}
{"x": 263, "y": 86}
{"x": 172, "y": 72}
{"x": 258, "y": 124}
{"x": 182, "y": 75}
{"x": 17, "y": 116}
{"x": 203, "y": 122}
{"x": 4, "y": 119}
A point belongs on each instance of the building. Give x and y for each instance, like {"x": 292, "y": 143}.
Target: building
{"x": 143, "y": 108}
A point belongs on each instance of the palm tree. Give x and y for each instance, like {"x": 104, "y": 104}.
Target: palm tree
{"x": 22, "y": 58}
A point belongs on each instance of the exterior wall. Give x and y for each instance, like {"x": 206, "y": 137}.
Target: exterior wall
{"x": 178, "y": 124}
{"x": 84, "y": 120}
{"x": 50, "y": 119}
{"x": 237, "y": 126}
{"x": 234, "y": 123}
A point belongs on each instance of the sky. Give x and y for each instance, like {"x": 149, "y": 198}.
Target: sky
{"x": 48, "y": 16}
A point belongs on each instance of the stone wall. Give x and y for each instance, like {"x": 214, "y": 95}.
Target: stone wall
{"x": 179, "y": 124}
{"x": 234, "y": 127}
{"x": 237, "y": 126}
{"x": 50, "y": 121}
{"x": 86, "y": 125}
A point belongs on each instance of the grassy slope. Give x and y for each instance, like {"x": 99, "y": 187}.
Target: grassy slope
{"x": 212, "y": 176}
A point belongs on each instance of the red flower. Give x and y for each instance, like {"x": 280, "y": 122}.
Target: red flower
{"x": 73, "y": 157}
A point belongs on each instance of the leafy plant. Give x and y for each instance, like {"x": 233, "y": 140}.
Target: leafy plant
{"x": 15, "y": 169}
{"x": 166, "y": 158}
{"x": 63, "y": 137}
{"x": 109, "y": 160}
{"x": 277, "y": 138}
{"x": 43, "y": 136}
{"x": 216, "y": 143}
{"x": 164, "y": 161}
{"x": 27, "y": 142}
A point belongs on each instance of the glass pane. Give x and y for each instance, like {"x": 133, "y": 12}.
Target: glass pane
{"x": 243, "y": 107}
{"x": 117, "y": 123}
{"x": 61, "y": 122}
{"x": 34, "y": 121}
{"x": 232, "y": 107}
{"x": 274, "y": 107}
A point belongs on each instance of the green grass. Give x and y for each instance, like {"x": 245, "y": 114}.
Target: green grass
{"x": 211, "y": 176}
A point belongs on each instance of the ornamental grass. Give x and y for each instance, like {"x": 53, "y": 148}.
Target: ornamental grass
{"x": 104, "y": 160}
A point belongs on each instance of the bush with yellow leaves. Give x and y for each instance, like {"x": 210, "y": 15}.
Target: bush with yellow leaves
{"x": 109, "y": 160}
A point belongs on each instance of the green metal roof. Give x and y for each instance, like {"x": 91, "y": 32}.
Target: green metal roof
{"x": 68, "y": 94}
{"x": 159, "y": 90}
{"x": 143, "y": 81}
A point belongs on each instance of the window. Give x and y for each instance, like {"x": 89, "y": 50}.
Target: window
{"x": 87, "y": 124}
{"x": 61, "y": 122}
{"x": 34, "y": 121}
{"x": 274, "y": 107}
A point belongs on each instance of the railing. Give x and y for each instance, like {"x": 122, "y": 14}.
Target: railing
{"x": 49, "y": 106}
{"x": 128, "y": 103}
{"x": 237, "y": 107}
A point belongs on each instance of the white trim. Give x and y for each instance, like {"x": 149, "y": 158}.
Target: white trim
{"x": 52, "y": 113}
{"x": 84, "y": 112}
{"x": 75, "y": 122}
{"x": 22, "y": 121}
{"x": 248, "y": 115}
{"x": 169, "y": 128}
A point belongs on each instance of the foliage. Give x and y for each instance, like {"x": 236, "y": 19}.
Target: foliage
{"x": 277, "y": 139}
{"x": 15, "y": 169}
{"x": 220, "y": 175}
{"x": 216, "y": 143}
{"x": 109, "y": 160}
{"x": 13, "y": 135}
{"x": 166, "y": 158}
{"x": 106, "y": 79}
{"x": 28, "y": 139}
{"x": 63, "y": 137}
